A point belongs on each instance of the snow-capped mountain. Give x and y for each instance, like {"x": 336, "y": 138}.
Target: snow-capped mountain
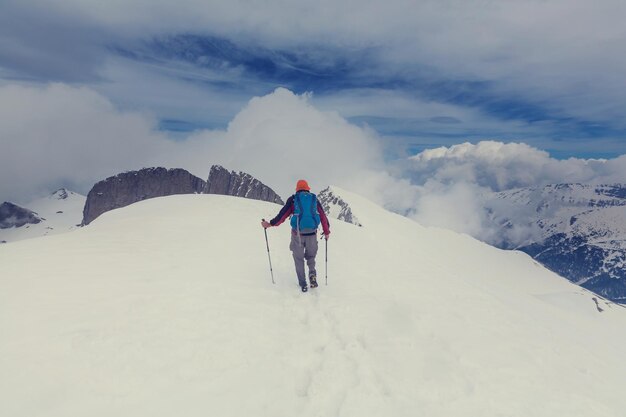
{"x": 576, "y": 230}
{"x": 58, "y": 212}
{"x": 157, "y": 309}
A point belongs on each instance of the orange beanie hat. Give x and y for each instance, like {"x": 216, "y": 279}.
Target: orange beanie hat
{"x": 302, "y": 185}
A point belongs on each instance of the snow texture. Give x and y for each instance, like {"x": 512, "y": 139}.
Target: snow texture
{"x": 166, "y": 307}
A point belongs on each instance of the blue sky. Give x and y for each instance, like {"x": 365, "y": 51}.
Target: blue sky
{"x": 420, "y": 73}
{"x": 546, "y": 73}
{"x": 245, "y": 69}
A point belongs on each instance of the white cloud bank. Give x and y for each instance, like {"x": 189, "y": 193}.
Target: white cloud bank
{"x": 282, "y": 137}
{"x": 60, "y": 135}
{"x": 456, "y": 183}
{"x": 499, "y": 166}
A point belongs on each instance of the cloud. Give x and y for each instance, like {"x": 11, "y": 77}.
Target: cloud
{"x": 281, "y": 137}
{"x": 501, "y": 166}
{"x": 178, "y": 91}
{"x": 553, "y": 65}
{"x": 51, "y": 43}
{"x": 455, "y": 185}
{"x": 58, "y": 135}
{"x": 562, "y": 54}
{"x": 458, "y": 206}
{"x": 410, "y": 121}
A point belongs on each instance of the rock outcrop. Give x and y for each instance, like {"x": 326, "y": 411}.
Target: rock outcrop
{"x": 336, "y": 208}
{"x": 12, "y": 215}
{"x": 131, "y": 187}
{"x": 238, "y": 184}
{"x": 61, "y": 194}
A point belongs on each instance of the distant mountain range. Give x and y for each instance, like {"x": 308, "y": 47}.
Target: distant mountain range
{"x": 63, "y": 209}
{"x": 576, "y": 230}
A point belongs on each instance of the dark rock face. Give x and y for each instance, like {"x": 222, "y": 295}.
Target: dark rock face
{"x": 12, "y": 215}
{"x": 60, "y": 194}
{"x": 131, "y": 187}
{"x": 222, "y": 181}
{"x": 336, "y": 207}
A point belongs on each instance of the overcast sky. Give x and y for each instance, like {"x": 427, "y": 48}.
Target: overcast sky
{"x": 89, "y": 88}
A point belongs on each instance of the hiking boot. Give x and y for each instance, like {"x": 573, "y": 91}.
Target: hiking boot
{"x": 304, "y": 288}
{"x": 313, "y": 280}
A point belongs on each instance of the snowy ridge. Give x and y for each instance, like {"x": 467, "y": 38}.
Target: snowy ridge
{"x": 61, "y": 211}
{"x": 160, "y": 316}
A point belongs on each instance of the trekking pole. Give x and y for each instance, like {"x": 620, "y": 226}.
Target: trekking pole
{"x": 326, "y": 259}
{"x": 268, "y": 254}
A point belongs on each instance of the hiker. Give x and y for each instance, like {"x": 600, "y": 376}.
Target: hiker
{"x": 306, "y": 215}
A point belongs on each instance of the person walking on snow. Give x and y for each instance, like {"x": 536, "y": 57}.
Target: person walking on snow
{"x": 306, "y": 215}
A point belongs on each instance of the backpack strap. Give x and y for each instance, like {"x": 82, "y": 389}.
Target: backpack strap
{"x": 297, "y": 204}
{"x": 313, "y": 205}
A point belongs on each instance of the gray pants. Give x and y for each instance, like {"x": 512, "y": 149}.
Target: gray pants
{"x": 304, "y": 247}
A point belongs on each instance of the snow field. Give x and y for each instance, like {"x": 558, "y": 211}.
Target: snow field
{"x": 166, "y": 307}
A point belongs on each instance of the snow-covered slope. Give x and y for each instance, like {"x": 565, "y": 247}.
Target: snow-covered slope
{"x": 59, "y": 212}
{"x": 166, "y": 307}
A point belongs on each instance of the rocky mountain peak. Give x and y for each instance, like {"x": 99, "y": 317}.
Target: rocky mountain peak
{"x": 336, "y": 207}
{"x": 12, "y": 215}
{"x": 238, "y": 184}
{"x": 130, "y": 187}
{"x": 60, "y": 194}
